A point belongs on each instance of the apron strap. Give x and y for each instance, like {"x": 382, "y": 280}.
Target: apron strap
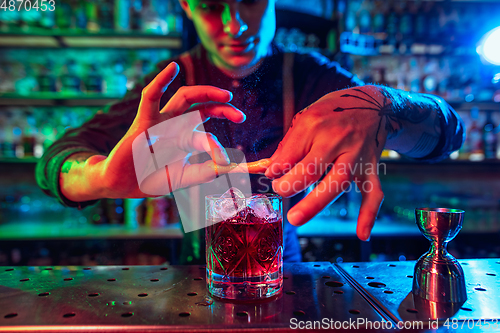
{"x": 288, "y": 106}
{"x": 288, "y": 92}
{"x": 187, "y": 62}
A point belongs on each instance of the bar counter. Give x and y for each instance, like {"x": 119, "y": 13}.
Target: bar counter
{"x": 355, "y": 296}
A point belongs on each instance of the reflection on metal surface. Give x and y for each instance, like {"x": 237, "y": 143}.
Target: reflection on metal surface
{"x": 438, "y": 277}
{"x": 397, "y": 301}
{"x": 150, "y": 297}
{"x": 425, "y": 310}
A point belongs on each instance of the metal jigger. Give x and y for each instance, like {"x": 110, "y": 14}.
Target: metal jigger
{"x": 438, "y": 277}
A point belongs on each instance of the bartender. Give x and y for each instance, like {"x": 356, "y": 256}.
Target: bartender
{"x": 253, "y": 93}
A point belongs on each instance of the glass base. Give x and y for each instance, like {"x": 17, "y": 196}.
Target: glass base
{"x": 250, "y": 288}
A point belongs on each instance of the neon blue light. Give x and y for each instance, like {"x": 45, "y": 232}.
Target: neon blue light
{"x": 489, "y": 47}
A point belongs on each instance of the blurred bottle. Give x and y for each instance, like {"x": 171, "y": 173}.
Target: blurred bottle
{"x": 64, "y": 15}
{"x": 122, "y": 15}
{"x": 174, "y": 17}
{"x": 8, "y": 148}
{"x": 392, "y": 25}
{"x": 156, "y": 212}
{"x": 135, "y": 15}
{"x": 365, "y": 18}
{"x": 70, "y": 82}
{"x": 92, "y": 13}
{"x": 48, "y": 19}
{"x": 350, "y": 22}
{"x": 134, "y": 212}
{"x": 406, "y": 24}
{"x": 28, "y": 138}
{"x": 17, "y": 132}
{"x": 115, "y": 80}
{"x": 475, "y": 137}
{"x": 47, "y": 81}
{"x": 115, "y": 211}
{"x": 151, "y": 22}
{"x": 379, "y": 14}
{"x": 433, "y": 23}
{"x": 106, "y": 14}
{"x": 80, "y": 15}
{"x": 3, "y": 127}
{"x": 27, "y": 83}
{"x": 490, "y": 140}
{"x": 430, "y": 77}
{"x": 414, "y": 75}
{"x": 94, "y": 80}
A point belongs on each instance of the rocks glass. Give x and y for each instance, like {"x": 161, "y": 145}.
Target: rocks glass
{"x": 244, "y": 245}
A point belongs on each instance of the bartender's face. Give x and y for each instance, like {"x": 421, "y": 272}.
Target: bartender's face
{"x": 236, "y": 33}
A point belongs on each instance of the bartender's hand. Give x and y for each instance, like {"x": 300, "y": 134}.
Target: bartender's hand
{"x": 338, "y": 131}
{"x": 114, "y": 176}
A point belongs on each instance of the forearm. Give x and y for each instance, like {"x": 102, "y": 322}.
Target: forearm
{"x": 414, "y": 128}
{"x": 417, "y": 125}
{"x": 80, "y": 177}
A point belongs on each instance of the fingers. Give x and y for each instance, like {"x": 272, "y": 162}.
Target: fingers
{"x": 288, "y": 154}
{"x": 304, "y": 173}
{"x": 204, "y": 141}
{"x": 151, "y": 94}
{"x": 371, "y": 190}
{"x": 329, "y": 189}
{"x": 186, "y": 96}
{"x": 219, "y": 111}
{"x": 257, "y": 167}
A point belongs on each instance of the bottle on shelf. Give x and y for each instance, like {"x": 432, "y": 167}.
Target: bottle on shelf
{"x": 151, "y": 21}
{"x": 379, "y": 13}
{"x": 28, "y": 139}
{"x": 64, "y": 16}
{"x": 135, "y": 15}
{"x": 365, "y": 17}
{"x": 80, "y": 15}
{"x": 115, "y": 80}
{"x": 406, "y": 24}
{"x": 94, "y": 80}
{"x": 490, "y": 140}
{"x": 47, "y": 81}
{"x": 174, "y": 17}
{"x": 392, "y": 25}
{"x": 92, "y": 13}
{"x": 474, "y": 136}
{"x": 106, "y": 14}
{"x": 48, "y": 19}
{"x": 27, "y": 83}
{"x": 70, "y": 82}
{"x": 122, "y": 15}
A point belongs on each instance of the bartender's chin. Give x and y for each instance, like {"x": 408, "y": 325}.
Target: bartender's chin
{"x": 243, "y": 61}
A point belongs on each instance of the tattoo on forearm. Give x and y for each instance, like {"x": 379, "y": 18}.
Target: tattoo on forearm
{"x": 395, "y": 108}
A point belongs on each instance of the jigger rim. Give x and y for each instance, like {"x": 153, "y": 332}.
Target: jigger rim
{"x": 440, "y": 210}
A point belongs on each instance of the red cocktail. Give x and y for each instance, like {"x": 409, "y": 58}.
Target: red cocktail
{"x": 244, "y": 246}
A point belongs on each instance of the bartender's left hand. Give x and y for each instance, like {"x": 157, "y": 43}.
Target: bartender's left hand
{"x": 338, "y": 130}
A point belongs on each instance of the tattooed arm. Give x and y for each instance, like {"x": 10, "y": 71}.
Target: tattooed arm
{"x": 418, "y": 126}
{"x": 347, "y": 131}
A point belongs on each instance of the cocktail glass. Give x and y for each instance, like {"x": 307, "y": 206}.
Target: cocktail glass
{"x": 244, "y": 243}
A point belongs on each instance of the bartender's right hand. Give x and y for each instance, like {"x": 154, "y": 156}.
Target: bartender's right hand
{"x": 114, "y": 176}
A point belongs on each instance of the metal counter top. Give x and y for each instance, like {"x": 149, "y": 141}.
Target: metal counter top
{"x": 388, "y": 286}
{"x": 166, "y": 298}
{"x": 174, "y": 298}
